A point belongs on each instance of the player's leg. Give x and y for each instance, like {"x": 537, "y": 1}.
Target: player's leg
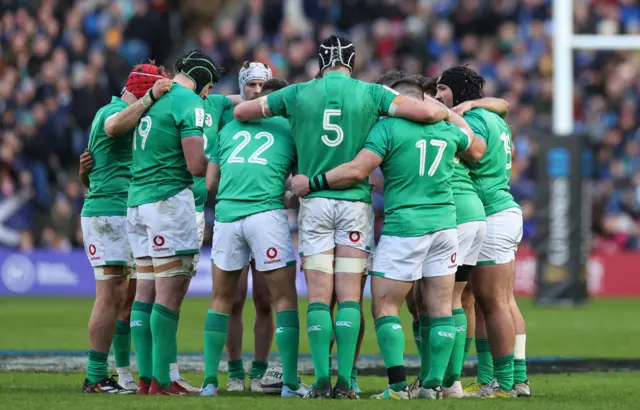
{"x": 353, "y": 238}
{"x": 396, "y": 265}
{"x": 172, "y": 231}
{"x": 316, "y": 245}
{"x": 122, "y": 339}
{"x": 470, "y": 236}
{"x": 229, "y": 255}
{"x": 354, "y": 369}
{"x": 263, "y": 329}
{"x": 438, "y": 282}
{"x": 174, "y": 370}
{"x": 111, "y": 271}
{"x": 275, "y": 265}
{"x": 468, "y": 304}
{"x": 520, "y": 378}
{"x": 235, "y": 362}
{"x": 491, "y": 288}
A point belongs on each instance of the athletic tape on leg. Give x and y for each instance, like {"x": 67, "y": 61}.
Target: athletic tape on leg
{"x": 321, "y": 262}
{"x": 181, "y": 265}
{"x": 144, "y": 269}
{"x": 351, "y": 265}
{"x": 99, "y": 274}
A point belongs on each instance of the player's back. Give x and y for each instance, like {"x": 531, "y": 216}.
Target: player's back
{"x": 255, "y": 159}
{"x": 330, "y": 119}
{"x": 159, "y": 167}
{"x": 417, "y": 165}
{"x": 109, "y": 179}
{"x": 491, "y": 174}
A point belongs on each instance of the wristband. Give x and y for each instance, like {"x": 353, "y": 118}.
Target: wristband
{"x": 318, "y": 183}
{"x": 147, "y": 101}
{"x": 153, "y": 98}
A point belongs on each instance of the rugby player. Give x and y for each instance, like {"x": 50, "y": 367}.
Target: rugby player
{"x": 419, "y": 241}
{"x": 105, "y": 171}
{"x": 330, "y": 119}
{"x": 168, "y": 151}
{"x": 495, "y": 270}
{"x": 248, "y": 170}
{"x": 250, "y": 81}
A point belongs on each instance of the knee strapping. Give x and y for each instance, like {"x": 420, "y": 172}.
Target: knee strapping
{"x": 144, "y": 269}
{"x": 100, "y": 274}
{"x": 179, "y": 265}
{"x": 351, "y": 265}
{"x": 321, "y": 262}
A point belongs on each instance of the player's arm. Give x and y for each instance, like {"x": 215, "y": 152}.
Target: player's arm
{"x": 235, "y": 99}
{"x": 475, "y": 152}
{"x": 193, "y": 148}
{"x": 274, "y": 104}
{"x": 495, "y": 105}
{"x": 86, "y": 165}
{"x": 119, "y": 124}
{"x": 213, "y": 177}
{"x": 350, "y": 173}
{"x": 394, "y": 105}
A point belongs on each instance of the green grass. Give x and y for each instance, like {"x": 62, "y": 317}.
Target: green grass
{"x": 600, "y": 391}
{"x": 603, "y": 328}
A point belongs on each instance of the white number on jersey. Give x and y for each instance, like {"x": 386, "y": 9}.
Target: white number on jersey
{"x": 255, "y": 157}
{"x": 326, "y": 124}
{"x": 143, "y": 129}
{"x": 422, "y": 146}
{"x": 507, "y": 148}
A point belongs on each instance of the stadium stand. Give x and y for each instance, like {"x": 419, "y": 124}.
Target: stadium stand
{"x": 61, "y": 60}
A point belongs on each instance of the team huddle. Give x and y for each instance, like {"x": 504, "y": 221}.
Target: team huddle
{"x": 448, "y": 244}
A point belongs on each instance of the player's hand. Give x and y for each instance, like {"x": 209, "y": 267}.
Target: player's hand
{"x": 86, "y": 162}
{"x": 300, "y": 185}
{"x": 161, "y": 87}
{"x": 461, "y": 108}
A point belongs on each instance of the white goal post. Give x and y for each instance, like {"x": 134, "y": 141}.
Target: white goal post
{"x": 564, "y": 42}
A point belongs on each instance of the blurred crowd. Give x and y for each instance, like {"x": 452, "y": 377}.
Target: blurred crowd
{"x": 62, "y": 60}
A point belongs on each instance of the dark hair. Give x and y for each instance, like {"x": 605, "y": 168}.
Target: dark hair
{"x": 390, "y": 76}
{"x": 336, "y": 50}
{"x": 272, "y": 85}
{"x": 430, "y": 85}
{"x": 408, "y": 85}
{"x": 465, "y": 84}
{"x": 199, "y": 67}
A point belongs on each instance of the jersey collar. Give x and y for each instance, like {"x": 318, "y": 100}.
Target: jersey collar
{"x": 336, "y": 74}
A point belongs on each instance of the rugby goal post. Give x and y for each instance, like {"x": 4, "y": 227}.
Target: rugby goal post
{"x": 564, "y": 175}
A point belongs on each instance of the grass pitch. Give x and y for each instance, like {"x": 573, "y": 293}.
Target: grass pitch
{"x": 48, "y": 391}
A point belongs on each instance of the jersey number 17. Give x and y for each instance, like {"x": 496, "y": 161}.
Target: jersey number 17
{"x": 422, "y": 146}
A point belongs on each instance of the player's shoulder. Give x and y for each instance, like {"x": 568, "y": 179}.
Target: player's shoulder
{"x": 215, "y": 100}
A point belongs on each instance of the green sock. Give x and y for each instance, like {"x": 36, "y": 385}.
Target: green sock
{"x": 164, "y": 329}
{"x": 319, "y": 330}
{"x": 425, "y": 328}
{"x": 236, "y": 368}
{"x": 97, "y": 366}
{"x": 347, "y": 330}
{"x": 142, "y": 340}
{"x": 122, "y": 343}
{"x": 216, "y": 326}
{"x": 504, "y": 371}
{"x": 441, "y": 340}
{"x": 288, "y": 341}
{"x": 520, "y": 371}
{"x": 468, "y": 342}
{"x": 485, "y": 361}
{"x": 354, "y": 372}
{"x": 415, "y": 326}
{"x": 391, "y": 342}
{"x": 258, "y": 368}
{"x": 454, "y": 368}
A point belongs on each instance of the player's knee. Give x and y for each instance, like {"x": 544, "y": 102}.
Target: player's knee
{"x": 350, "y": 265}
{"x": 320, "y": 262}
{"x": 111, "y": 272}
{"x": 178, "y": 265}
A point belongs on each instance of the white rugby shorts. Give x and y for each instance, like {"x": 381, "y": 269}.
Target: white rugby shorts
{"x": 470, "y": 238}
{"x": 504, "y": 233}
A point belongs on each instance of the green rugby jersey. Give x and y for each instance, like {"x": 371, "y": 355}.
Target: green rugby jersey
{"x": 469, "y": 207}
{"x": 330, "y": 119}
{"x": 255, "y": 159}
{"x": 109, "y": 179}
{"x": 417, "y": 165}
{"x": 159, "y": 168}
{"x": 491, "y": 174}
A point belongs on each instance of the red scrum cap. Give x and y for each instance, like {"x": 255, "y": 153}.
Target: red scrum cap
{"x": 142, "y": 78}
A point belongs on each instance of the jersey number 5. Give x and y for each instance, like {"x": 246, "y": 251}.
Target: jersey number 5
{"x": 326, "y": 125}
{"x": 142, "y": 129}
{"x": 255, "y": 157}
{"x": 507, "y": 148}
{"x": 422, "y": 146}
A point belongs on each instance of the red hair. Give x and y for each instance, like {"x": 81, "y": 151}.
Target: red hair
{"x": 142, "y": 78}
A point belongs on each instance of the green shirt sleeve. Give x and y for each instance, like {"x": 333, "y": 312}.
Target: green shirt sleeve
{"x": 379, "y": 139}
{"x": 462, "y": 139}
{"x": 110, "y": 111}
{"x": 382, "y": 97}
{"x": 281, "y": 102}
{"x": 189, "y": 115}
{"x": 226, "y": 118}
{"x": 212, "y": 149}
{"x": 477, "y": 124}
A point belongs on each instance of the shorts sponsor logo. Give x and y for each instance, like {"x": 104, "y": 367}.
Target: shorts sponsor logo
{"x": 454, "y": 256}
{"x": 158, "y": 241}
{"x": 354, "y": 237}
{"x": 272, "y": 254}
{"x": 92, "y": 253}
